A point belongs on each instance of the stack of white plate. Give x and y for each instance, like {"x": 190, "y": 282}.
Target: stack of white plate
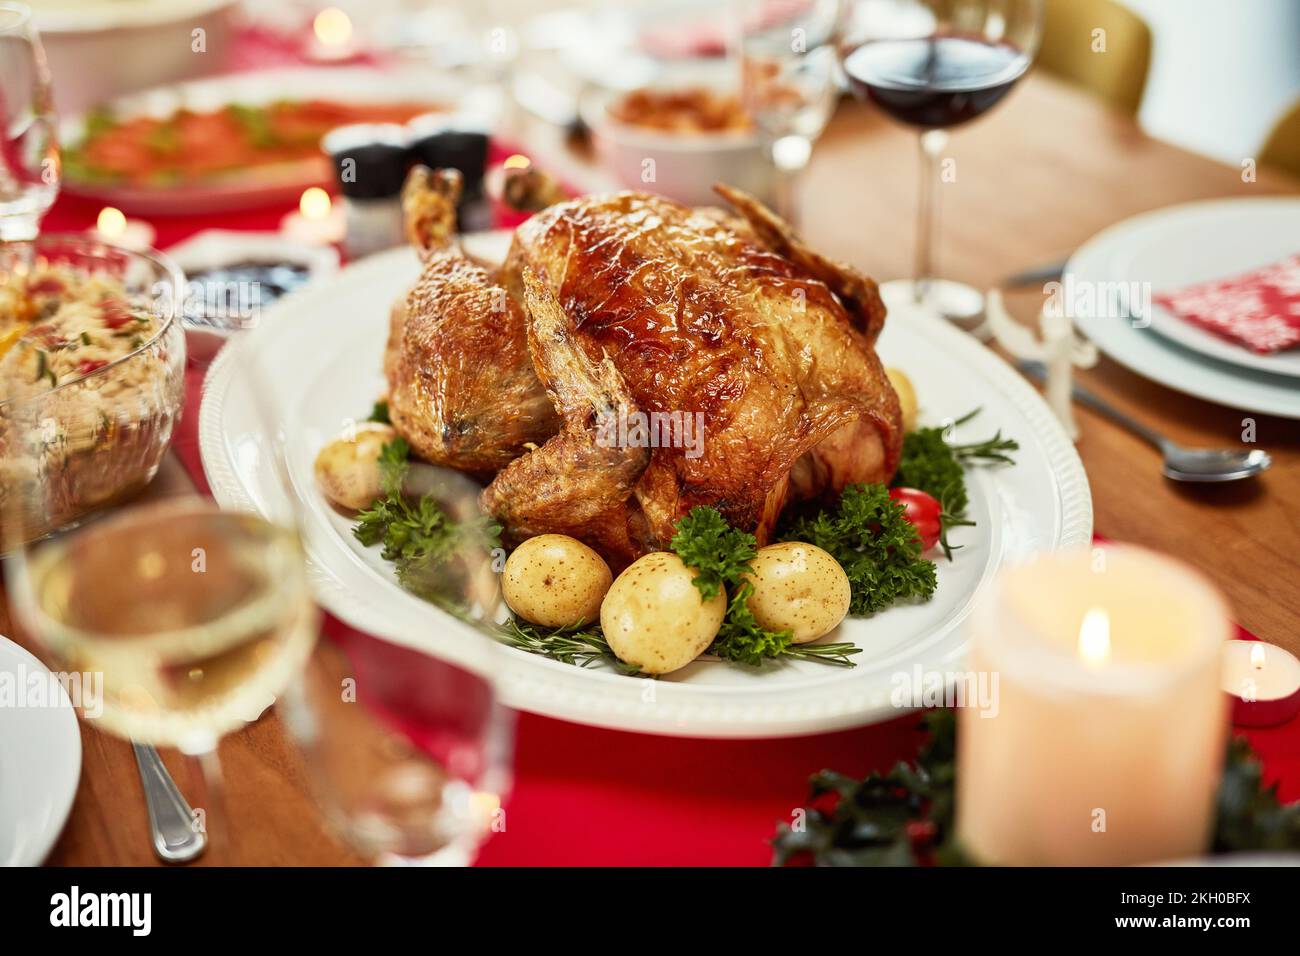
{"x": 1180, "y": 246}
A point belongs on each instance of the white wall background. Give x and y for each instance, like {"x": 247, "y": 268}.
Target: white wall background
{"x": 1222, "y": 71}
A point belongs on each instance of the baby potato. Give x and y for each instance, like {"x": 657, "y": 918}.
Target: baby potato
{"x": 906, "y": 397}
{"x": 347, "y": 468}
{"x": 555, "y": 581}
{"x": 800, "y": 588}
{"x": 654, "y": 617}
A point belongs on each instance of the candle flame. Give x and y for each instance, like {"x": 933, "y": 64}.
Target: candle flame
{"x": 315, "y": 203}
{"x": 1257, "y": 657}
{"x": 517, "y": 161}
{"x": 332, "y": 26}
{"x": 484, "y": 803}
{"x": 1094, "y": 638}
{"x": 111, "y": 223}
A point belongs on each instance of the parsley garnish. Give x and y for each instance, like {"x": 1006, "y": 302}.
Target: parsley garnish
{"x": 720, "y": 555}
{"x": 416, "y": 534}
{"x": 379, "y": 413}
{"x": 931, "y": 464}
{"x": 876, "y": 545}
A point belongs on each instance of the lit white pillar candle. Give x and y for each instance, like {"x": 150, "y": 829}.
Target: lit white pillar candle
{"x": 1107, "y": 740}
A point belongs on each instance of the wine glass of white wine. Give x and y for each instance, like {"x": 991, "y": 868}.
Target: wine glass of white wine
{"x": 185, "y": 621}
{"x": 29, "y": 151}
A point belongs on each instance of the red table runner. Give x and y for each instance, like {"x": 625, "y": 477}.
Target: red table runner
{"x": 599, "y": 797}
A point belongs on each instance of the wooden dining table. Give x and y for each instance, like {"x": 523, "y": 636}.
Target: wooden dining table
{"x": 1033, "y": 180}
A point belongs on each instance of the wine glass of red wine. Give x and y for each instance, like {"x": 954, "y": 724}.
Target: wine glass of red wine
{"x": 935, "y": 64}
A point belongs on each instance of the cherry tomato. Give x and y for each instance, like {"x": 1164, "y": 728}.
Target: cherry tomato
{"x": 114, "y": 313}
{"x": 923, "y": 511}
{"x": 46, "y": 285}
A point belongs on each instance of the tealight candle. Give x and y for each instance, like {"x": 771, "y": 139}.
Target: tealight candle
{"x": 1105, "y": 742}
{"x": 112, "y": 226}
{"x": 317, "y": 222}
{"x": 331, "y": 40}
{"x": 1262, "y": 681}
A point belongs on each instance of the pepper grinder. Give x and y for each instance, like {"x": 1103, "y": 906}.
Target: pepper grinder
{"x": 370, "y": 161}
{"x": 442, "y": 144}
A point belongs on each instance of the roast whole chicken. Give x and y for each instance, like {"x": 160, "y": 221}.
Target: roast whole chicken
{"x": 634, "y": 358}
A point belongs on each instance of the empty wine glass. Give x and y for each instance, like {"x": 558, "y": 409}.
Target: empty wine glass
{"x": 405, "y": 744}
{"x": 408, "y": 752}
{"x": 935, "y": 64}
{"x": 29, "y": 151}
{"x": 787, "y": 66}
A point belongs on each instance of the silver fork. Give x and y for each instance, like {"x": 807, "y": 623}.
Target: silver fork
{"x": 171, "y": 821}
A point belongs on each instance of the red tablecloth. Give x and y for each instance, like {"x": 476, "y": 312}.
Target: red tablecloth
{"x": 600, "y": 797}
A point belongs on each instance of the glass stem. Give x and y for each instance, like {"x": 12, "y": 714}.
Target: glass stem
{"x": 789, "y": 156}
{"x": 787, "y": 196}
{"x": 932, "y": 143}
{"x": 17, "y": 246}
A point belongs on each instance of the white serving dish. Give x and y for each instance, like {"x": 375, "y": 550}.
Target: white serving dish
{"x": 99, "y": 49}
{"x": 475, "y": 106}
{"x": 1042, "y": 503}
{"x": 685, "y": 166}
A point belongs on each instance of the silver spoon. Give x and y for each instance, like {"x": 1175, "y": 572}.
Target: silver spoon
{"x": 171, "y": 821}
{"x": 1180, "y": 463}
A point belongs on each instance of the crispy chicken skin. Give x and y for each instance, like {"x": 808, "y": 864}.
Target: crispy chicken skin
{"x": 613, "y": 307}
{"x": 659, "y": 308}
{"x": 461, "y": 385}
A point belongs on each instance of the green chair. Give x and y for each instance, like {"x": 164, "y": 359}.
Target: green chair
{"x": 1282, "y": 148}
{"x": 1119, "y": 74}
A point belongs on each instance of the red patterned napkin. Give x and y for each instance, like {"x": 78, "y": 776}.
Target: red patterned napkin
{"x": 1260, "y": 309}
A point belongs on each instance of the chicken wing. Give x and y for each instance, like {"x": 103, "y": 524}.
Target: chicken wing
{"x": 461, "y": 385}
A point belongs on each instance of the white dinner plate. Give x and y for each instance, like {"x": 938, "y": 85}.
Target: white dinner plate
{"x": 324, "y": 347}
{"x": 1175, "y": 247}
{"x": 40, "y": 758}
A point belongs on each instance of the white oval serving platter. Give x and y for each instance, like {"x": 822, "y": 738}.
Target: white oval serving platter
{"x": 323, "y": 349}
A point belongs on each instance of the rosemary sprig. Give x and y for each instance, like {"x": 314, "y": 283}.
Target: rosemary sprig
{"x": 990, "y": 450}
{"x": 578, "y": 644}
{"x": 835, "y": 654}
{"x": 949, "y": 519}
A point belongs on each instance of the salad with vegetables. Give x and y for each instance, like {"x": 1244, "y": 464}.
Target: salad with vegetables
{"x": 715, "y": 593}
{"x": 192, "y": 146}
